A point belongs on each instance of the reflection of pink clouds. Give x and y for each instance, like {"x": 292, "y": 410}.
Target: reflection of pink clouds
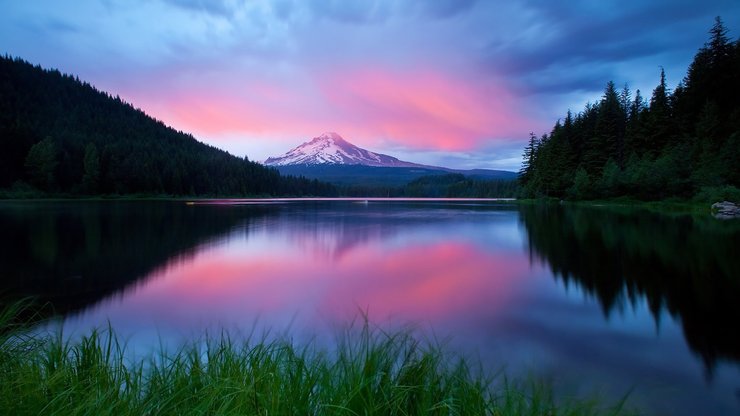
{"x": 423, "y": 109}
{"x": 427, "y": 282}
{"x": 444, "y": 281}
{"x": 213, "y": 280}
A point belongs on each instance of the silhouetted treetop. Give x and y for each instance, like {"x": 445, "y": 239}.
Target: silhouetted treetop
{"x": 682, "y": 143}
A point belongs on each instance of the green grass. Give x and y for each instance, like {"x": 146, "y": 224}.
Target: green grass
{"x": 369, "y": 372}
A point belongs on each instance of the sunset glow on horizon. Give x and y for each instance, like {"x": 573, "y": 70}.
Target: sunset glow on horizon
{"x": 451, "y": 83}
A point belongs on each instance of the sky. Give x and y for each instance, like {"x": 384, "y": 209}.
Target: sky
{"x": 455, "y": 83}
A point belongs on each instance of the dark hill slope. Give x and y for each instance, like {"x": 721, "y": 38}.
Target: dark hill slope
{"x": 60, "y": 134}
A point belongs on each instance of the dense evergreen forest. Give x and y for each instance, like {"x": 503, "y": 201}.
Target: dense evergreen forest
{"x": 452, "y": 185}
{"x": 60, "y": 136}
{"x": 683, "y": 143}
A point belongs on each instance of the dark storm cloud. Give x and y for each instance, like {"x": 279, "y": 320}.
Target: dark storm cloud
{"x": 580, "y": 40}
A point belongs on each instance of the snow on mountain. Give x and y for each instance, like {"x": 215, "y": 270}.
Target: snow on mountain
{"x": 332, "y": 149}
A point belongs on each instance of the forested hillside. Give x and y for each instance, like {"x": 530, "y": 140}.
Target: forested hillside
{"x": 456, "y": 185}
{"x": 59, "y": 135}
{"x": 682, "y": 143}
{"x": 451, "y": 185}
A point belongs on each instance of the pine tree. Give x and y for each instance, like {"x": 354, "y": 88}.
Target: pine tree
{"x": 91, "y": 165}
{"x": 528, "y": 158}
{"x": 659, "y": 123}
{"x": 712, "y": 76}
{"x": 625, "y": 98}
{"x": 608, "y": 139}
{"x": 634, "y": 140}
{"x": 41, "y": 163}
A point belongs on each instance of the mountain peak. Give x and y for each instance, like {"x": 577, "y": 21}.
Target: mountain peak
{"x": 332, "y": 149}
{"x": 330, "y": 135}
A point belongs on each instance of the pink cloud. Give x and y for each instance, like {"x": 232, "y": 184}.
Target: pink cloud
{"x": 420, "y": 109}
{"x": 424, "y": 109}
{"x": 247, "y": 107}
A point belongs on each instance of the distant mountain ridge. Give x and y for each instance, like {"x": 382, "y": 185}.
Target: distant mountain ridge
{"x": 331, "y": 158}
{"x": 347, "y": 175}
{"x": 331, "y": 149}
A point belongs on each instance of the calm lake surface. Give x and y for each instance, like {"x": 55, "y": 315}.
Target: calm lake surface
{"x": 599, "y": 301}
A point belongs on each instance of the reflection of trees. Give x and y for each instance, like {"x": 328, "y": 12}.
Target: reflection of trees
{"x": 684, "y": 265}
{"x": 72, "y": 254}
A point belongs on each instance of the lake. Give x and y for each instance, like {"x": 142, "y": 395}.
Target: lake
{"x": 599, "y": 301}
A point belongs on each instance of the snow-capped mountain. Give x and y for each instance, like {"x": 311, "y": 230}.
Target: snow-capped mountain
{"x": 332, "y": 149}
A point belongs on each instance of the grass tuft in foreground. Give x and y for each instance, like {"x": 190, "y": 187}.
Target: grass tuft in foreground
{"x": 371, "y": 372}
